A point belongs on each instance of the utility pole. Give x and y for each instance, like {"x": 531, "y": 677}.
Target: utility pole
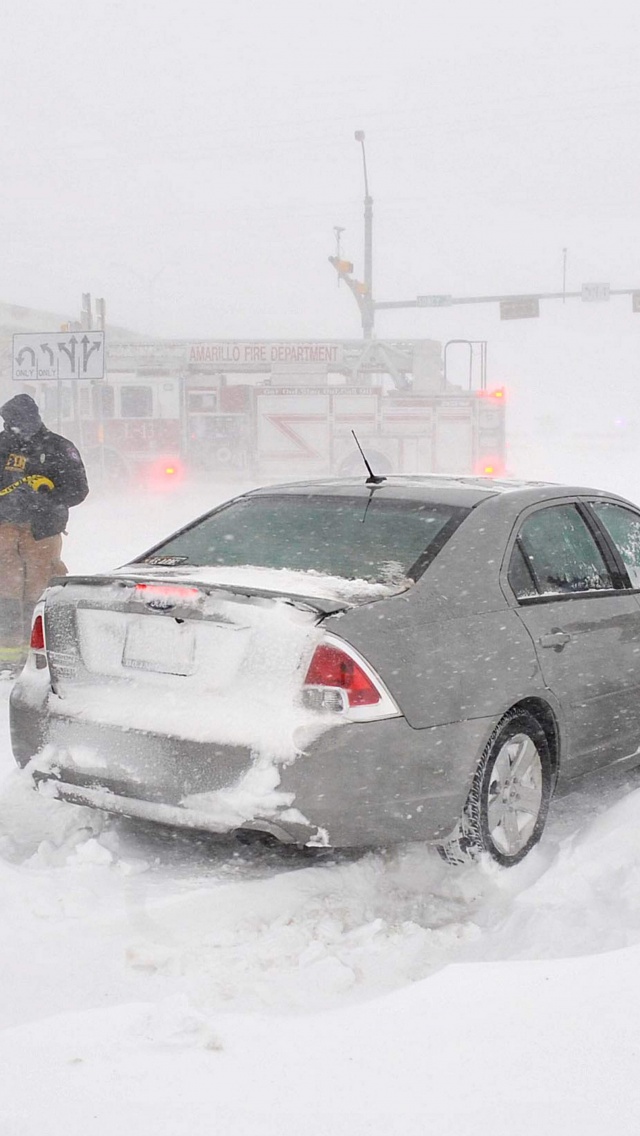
{"x": 367, "y": 309}
{"x": 100, "y": 313}
{"x": 86, "y": 316}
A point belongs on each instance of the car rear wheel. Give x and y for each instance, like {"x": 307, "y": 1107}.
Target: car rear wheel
{"x": 507, "y": 806}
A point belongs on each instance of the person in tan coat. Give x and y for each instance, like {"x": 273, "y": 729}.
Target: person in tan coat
{"x": 41, "y": 477}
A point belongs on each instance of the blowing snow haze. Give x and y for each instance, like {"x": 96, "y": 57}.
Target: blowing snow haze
{"x": 190, "y": 165}
{"x": 196, "y": 164}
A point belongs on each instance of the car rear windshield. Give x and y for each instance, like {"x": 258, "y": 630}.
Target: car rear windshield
{"x": 373, "y": 539}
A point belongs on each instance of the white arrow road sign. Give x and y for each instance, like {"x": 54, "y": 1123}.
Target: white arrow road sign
{"x": 58, "y": 355}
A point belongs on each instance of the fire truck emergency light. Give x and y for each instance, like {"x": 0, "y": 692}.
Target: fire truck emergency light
{"x": 489, "y": 467}
{"x": 164, "y": 474}
{"x": 498, "y": 392}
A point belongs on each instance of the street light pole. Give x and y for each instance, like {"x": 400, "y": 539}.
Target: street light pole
{"x": 368, "y": 311}
{"x": 338, "y": 230}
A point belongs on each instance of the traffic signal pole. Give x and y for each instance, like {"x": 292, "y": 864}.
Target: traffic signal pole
{"x": 525, "y": 301}
{"x": 362, "y": 290}
{"x": 512, "y": 305}
{"x": 368, "y": 306}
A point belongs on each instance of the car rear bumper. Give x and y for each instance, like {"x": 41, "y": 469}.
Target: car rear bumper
{"x": 175, "y": 816}
{"x": 357, "y": 785}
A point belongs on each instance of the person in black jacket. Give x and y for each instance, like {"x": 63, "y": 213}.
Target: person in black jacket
{"x": 41, "y": 476}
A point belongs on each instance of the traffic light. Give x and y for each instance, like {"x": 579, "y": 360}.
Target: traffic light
{"x": 344, "y": 267}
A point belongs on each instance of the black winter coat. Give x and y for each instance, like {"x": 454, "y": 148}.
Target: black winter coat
{"x": 48, "y": 455}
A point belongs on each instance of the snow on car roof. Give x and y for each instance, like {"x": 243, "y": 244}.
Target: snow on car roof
{"x": 466, "y": 490}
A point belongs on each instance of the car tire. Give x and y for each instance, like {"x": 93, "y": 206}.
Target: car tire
{"x": 506, "y": 810}
{"x": 107, "y": 469}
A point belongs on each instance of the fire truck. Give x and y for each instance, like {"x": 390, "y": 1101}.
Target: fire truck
{"x": 269, "y": 410}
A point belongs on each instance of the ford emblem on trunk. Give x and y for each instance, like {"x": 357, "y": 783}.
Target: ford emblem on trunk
{"x": 160, "y": 603}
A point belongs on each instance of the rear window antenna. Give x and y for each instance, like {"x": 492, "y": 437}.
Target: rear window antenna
{"x": 373, "y": 479}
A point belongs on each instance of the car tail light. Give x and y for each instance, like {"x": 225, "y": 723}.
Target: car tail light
{"x": 331, "y": 667}
{"x": 37, "y": 645}
{"x": 37, "y": 634}
{"x": 172, "y": 592}
{"x": 341, "y": 681}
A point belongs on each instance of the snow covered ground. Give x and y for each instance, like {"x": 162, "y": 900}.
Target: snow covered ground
{"x": 155, "y": 983}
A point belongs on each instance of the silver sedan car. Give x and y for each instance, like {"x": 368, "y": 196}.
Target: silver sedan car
{"x": 348, "y": 663}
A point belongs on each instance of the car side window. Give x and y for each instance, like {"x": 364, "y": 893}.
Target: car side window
{"x": 623, "y": 526}
{"x": 520, "y": 576}
{"x": 561, "y": 554}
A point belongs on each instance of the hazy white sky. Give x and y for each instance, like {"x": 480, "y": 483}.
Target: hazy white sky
{"x": 189, "y": 160}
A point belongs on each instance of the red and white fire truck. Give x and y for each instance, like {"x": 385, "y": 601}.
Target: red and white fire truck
{"x": 267, "y": 410}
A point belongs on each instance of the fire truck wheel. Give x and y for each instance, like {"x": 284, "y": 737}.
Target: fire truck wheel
{"x": 106, "y": 467}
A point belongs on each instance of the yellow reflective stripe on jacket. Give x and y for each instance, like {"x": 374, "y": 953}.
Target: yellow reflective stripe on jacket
{"x": 35, "y": 480}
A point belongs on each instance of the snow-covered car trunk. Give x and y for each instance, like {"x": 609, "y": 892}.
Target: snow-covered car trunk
{"x": 183, "y": 691}
{"x": 176, "y": 659}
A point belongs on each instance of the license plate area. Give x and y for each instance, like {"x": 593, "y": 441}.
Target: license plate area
{"x": 159, "y": 644}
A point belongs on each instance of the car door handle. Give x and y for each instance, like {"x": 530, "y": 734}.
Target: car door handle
{"x": 556, "y": 639}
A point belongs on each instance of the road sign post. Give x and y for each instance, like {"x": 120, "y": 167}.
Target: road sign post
{"x": 57, "y": 355}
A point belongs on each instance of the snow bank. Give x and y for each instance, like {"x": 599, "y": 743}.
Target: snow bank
{"x": 205, "y": 980}
{"x": 161, "y": 984}
{"x": 35, "y": 825}
{"x": 467, "y": 1054}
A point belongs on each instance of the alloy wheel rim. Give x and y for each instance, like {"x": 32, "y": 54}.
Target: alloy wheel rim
{"x": 515, "y": 794}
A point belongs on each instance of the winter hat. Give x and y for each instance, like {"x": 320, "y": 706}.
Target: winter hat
{"x": 21, "y": 414}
